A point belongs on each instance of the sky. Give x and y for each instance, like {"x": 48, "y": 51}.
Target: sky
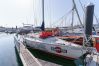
{"x": 57, "y": 12}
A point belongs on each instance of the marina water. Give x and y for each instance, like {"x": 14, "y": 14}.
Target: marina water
{"x": 8, "y": 56}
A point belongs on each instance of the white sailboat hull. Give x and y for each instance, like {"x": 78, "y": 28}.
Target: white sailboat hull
{"x": 58, "y": 49}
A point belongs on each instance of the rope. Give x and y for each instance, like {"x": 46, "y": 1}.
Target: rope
{"x": 82, "y": 6}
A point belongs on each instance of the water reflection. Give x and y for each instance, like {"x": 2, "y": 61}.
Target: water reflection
{"x": 18, "y": 58}
{"x": 7, "y": 50}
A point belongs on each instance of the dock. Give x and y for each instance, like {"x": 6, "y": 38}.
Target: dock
{"x": 26, "y": 57}
{"x": 29, "y": 59}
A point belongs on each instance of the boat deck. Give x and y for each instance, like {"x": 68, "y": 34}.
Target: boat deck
{"x": 52, "y": 40}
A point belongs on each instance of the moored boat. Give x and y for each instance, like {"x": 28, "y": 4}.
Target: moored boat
{"x": 52, "y": 42}
{"x": 56, "y": 46}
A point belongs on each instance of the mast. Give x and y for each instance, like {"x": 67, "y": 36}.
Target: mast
{"x": 72, "y": 18}
{"x": 43, "y": 10}
{"x": 43, "y": 24}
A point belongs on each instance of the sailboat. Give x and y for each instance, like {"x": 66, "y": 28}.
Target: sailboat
{"x": 50, "y": 41}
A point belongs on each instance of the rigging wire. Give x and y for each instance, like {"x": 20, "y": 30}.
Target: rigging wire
{"x": 84, "y": 12}
{"x": 70, "y": 11}
{"x": 96, "y": 18}
{"x": 34, "y": 9}
{"x": 93, "y": 26}
{"x": 50, "y": 13}
{"x": 77, "y": 12}
{"x": 54, "y": 23}
{"x": 82, "y": 6}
